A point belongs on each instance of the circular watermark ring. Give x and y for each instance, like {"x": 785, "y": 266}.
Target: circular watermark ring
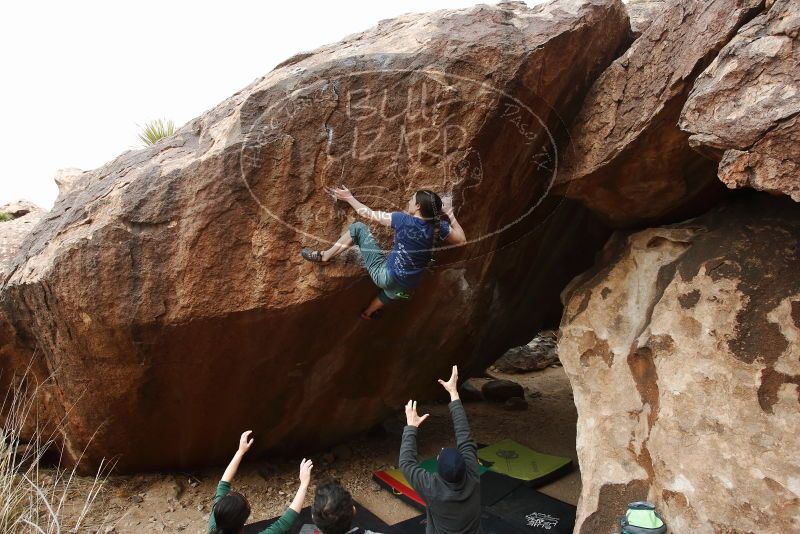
{"x": 266, "y": 122}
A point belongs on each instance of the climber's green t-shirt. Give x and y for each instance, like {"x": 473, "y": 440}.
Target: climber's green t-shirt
{"x": 283, "y": 524}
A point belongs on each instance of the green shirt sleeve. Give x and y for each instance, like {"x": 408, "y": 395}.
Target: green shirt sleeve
{"x": 283, "y": 524}
{"x": 223, "y": 488}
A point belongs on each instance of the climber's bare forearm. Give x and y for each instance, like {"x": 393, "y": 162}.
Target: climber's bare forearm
{"x": 233, "y": 467}
{"x": 456, "y": 235}
{"x": 380, "y": 217}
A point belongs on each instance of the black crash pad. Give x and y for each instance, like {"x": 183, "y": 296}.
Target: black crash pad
{"x": 494, "y": 487}
{"x": 363, "y": 518}
{"x": 534, "y": 512}
{"x": 490, "y": 524}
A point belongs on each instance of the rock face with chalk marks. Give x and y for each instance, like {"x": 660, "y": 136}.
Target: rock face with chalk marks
{"x": 681, "y": 345}
{"x": 165, "y": 291}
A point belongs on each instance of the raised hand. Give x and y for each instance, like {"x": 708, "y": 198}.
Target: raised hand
{"x": 305, "y": 471}
{"x": 305, "y": 480}
{"x": 245, "y": 442}
{"x": 244, "y": 445}
{"x": 412, "y": 418}
{"x": 451, "y": 386}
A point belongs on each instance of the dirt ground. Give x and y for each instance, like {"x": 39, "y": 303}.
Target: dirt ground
{"x": 180, "y": 502}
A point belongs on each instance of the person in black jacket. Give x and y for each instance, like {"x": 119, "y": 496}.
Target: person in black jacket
{"x": 453, "y": 493}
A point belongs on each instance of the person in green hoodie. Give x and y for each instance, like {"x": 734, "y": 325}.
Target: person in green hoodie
{"x": 231, "y": 509}
{"x": 453, "y": 493}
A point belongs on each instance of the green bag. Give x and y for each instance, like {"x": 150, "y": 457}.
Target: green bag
{"x": 641, "y": 518}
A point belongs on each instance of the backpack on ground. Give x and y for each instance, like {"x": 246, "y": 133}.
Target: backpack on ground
{"x": 642, "y": 518}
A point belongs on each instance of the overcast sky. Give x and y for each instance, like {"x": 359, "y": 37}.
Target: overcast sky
{"x": 78, "y": 76}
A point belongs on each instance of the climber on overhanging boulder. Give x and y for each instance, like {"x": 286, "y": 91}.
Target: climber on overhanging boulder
{"x": 416, "y": 232}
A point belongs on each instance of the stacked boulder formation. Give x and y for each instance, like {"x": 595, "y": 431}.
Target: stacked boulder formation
{"x": 743, "y": 110}
{"x": 681, "y": 343}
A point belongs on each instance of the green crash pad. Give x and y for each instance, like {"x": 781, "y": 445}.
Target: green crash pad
{"x": 534, "y": 468}
{"x": 431, "y": 465}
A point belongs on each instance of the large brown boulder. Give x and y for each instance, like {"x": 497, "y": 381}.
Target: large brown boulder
{"x": 628, "y": 160}
{"x": 682, "y": 349}
{"x": 166, "y": 293}
{"x": 743, "y": 109}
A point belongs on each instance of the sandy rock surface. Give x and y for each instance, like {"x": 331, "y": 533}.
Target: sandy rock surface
{"x": 682, "y": 350}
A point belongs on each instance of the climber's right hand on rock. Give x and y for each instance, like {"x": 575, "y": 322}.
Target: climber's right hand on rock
{"x": 245, "y": 442}
{"x": 341, "y": 193}
{"x": 412, "y": 418}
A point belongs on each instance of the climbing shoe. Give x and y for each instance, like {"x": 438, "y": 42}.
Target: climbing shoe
{"x": 312, "y": 255}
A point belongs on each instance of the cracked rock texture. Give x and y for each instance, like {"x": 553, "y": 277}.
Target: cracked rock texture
{"x": 743, "y": 109}
{"x": 628, "y": 160}
{"x": 642, "y": 14}
{"x": 683, "y": 349}
{"x": 201, "y": 319}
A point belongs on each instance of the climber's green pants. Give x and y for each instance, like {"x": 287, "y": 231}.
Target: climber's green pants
{"x": 375, "y": 262}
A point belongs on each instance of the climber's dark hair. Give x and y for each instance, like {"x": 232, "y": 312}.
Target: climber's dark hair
{"x": 332, "y": 510}
{"x": 231, "y": 513}
{"x": 430, "y": 206}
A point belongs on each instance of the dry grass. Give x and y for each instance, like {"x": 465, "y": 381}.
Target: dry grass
{"x": 32, "y": 498}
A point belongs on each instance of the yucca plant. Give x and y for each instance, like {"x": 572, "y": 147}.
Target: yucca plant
{"x": 156, "y": 129}
{"x": 32, "y": 498}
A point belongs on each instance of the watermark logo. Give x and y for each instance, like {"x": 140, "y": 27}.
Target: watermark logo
{"x": 386, "y": 134}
